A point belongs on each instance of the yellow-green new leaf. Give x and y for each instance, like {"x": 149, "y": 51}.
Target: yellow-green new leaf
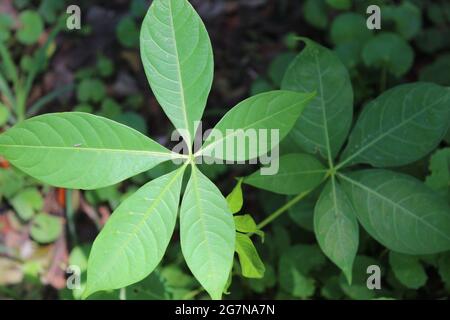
{"x": 399, "y": 211}
{"x": 255, "y": 126}
{"x": 245, "y": 223}
{"x": 235, "y": 199}
{"x": 251, "y": 264}
{"x": 207, "y": 233}
{"x": 178, "y": 61}
{"x": 79, "y": 150}
{"x": 134, "y": 239}
{"x": 336, "y": 227}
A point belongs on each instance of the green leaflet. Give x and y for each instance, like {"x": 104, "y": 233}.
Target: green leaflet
{"x": 408, "y": 270}
{"x": 134, "y": 239}
{"x": 336, "y": 227}
{"x": 251, "y": 264}
{"x": 178, "y": 61}
{"x": 247, "y": 121}
{"x": 245, "y": 223}
{"x": 400, "y": 126}
{"x": 297, "y": 173}
{"x": 399, "y": 211}
{"x": 326, "y": 121}
{"x": 79, "y": 150}
{"x": 388, "y": 50}
{"x": 235, "y": 199}
{"x": 207, "y": 233}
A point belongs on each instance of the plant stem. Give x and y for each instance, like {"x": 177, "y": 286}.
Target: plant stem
{"x": 69, "y": 214}
{"x": 282, "y": 209}
{"x": 20, "y": 105}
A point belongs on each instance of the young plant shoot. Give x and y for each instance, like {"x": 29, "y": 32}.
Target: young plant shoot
{"x": 342, "y": 139}
{"x": 82, "y": 151}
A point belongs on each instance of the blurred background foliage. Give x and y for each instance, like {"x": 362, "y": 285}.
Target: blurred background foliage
{"x": 47, "y": 68}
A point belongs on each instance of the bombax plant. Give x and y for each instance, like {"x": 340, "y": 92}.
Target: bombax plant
{"x": 354, "y": 170}
{"x": 83, "y": 151}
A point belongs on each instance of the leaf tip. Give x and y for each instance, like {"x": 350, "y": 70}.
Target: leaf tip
{"x": 216, "y": 295}
{"x": 89, "y": 290}
{"x": 86, "y": 293}
{"x": 348, "y": 275}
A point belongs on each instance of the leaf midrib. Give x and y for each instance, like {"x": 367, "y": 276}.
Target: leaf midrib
{"x": 298, "y": 173}
{"x": 324, "y": 113}
{"x": 149, "y": 211}
{"x": 208, "y": 146}
{"x": 108, "y": 150}
{"x": 201, "y": 211}
{"x": 180, "y": 79}
{"x": 385, "y": 134}
{"x": 127, "y": 151}
{"x": 396, "y": 205}
{"x": 339, "y": 216}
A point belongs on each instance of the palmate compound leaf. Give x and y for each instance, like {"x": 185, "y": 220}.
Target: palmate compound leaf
{"x": 134, "y": 239}
{"x": 399, "y": 211}
{"x": 400, "y": 126}
{"x": 336, "y": 227}
{"x": 326, "y": 121}
{"x": 297, "y": 173}
{"x": 207, "y": 233}
{"x": 79, "y": 150}
{"x": 177, "y": 56}
{"x": 255, "y": 126}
